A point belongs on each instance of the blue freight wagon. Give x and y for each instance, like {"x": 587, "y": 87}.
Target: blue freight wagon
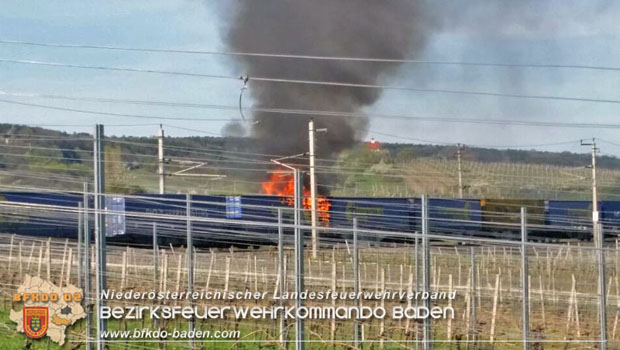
{"x": 251, "y": 220}
{"x": 568, "y": 219}
{"x": 610, "y": 217}
{"x": 393, "y": 216}
{"x": 454, "y": 216}
{"x": 40, "y": 214}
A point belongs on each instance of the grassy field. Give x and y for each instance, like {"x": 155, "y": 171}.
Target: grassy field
{"x": 480, "y": 180}
{"x": 357, "y": 172}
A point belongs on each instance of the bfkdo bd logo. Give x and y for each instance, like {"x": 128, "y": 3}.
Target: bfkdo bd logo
{"x": 47, "y": 310}
{"x": 36, "y": 321}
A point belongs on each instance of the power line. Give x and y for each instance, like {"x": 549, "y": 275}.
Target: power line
{"x": 75, "y": 110}
{"x": 322, "y": 169}
{"x": 77, "y": 125}
{"x": 213, "y": 106}
{"x": 307, "y": 113}
{"x": 372, "y": 131}
{"x": 120, "y": 69}
{"x": 319, "y": 83}
{"x": 192, "y": 129}
{"x": 444, "y": 143}
{"x": 444, "y": 91}
{"x": 313, "y": 57}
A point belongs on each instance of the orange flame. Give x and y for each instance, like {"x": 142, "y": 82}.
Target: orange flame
{"x": 283, "y": 185}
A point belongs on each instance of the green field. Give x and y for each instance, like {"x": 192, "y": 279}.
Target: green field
{"x": 356, "y": 173}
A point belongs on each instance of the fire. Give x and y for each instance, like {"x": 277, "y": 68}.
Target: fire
{"x": 283, "y": 185}
{"x": 322, "y": 206}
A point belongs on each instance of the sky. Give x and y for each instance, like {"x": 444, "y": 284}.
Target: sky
{"x": 502, "y": 31}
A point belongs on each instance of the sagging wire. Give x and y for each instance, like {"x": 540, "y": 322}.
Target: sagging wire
{"x": 245, "y": 79}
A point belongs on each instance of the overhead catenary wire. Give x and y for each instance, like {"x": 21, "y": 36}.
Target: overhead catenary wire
{"x": 313, "y": 82}
{"x": 320, "y": 169}
{"x": 233, "y": 159}
{"x": 243, "y": 88}
{"x": 43, "y": 125}
{"x": 419, "y": 174}
{"x": 80, "y": 180}
{"x": 218, "y": 107}
{"x": 76, "y": 110}
{"x": 451, "y": 143}
{"x": 221, "y": 151}
{"x": 306, "y": 113}
{"x": 312, "y": 57}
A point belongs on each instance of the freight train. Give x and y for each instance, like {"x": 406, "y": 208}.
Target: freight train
{"x": 252, "y": 220}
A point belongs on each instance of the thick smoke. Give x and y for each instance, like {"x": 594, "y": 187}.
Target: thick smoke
{"x": 354, "y": 28}
{"x": 233, "y": 129}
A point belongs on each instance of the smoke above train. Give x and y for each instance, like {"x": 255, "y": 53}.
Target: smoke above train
{"x": 393, "y": 29}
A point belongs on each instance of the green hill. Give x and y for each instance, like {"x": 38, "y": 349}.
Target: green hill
{"x": 37, "y": 158}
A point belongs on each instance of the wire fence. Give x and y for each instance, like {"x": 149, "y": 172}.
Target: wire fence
{"x": 259, "y": 255}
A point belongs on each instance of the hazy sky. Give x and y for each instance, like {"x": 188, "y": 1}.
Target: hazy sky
{"x": 502, "y": 31}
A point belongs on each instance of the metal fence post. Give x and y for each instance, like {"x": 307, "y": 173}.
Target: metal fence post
{"x": 79, "y": 247}
{"x": 87, "y": 296}
{"x": 299, "y": 259}
{"x": 472, "y": 293}
{"x": 601, "y": 286}
{"x": 190, "y": 264}
{"x": 524, "y": 280}
{"x": 426, "y": 276}
{"x": 416, "y": 270}
{"x": 283, "y": 336}
{"x": 155, "y": 255}
{"x": 100, "y": 237}
{"x": 356, "y": 281}
{"x": 416, "y": 264}
{"x": 155, "y": 263}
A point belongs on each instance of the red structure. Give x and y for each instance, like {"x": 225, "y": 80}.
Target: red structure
{"x": 373, "y": 145}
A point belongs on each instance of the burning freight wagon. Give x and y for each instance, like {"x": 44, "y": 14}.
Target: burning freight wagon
{"x": 283, "y": 185}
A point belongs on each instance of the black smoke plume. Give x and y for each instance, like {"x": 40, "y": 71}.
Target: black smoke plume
{"x": 353, "y": 28}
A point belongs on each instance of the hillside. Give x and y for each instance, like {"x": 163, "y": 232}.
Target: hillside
{"x": 42, "y": 158}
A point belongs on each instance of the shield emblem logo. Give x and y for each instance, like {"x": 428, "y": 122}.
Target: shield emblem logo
{"x": 35, "y": 321}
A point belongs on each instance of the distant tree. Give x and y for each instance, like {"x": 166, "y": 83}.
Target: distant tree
{"x": 405, "y": 155}
{"x": 117, "y": 177}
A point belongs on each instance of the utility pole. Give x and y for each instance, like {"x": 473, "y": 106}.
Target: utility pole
{"x": 313, "y": 208}
{"x": 160, "y": 157}
{"x": 100, "y": 239}
{"x": 460, "y": 168}
{"x": 595, "y": 214}
{"x": 599, "y": 239}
